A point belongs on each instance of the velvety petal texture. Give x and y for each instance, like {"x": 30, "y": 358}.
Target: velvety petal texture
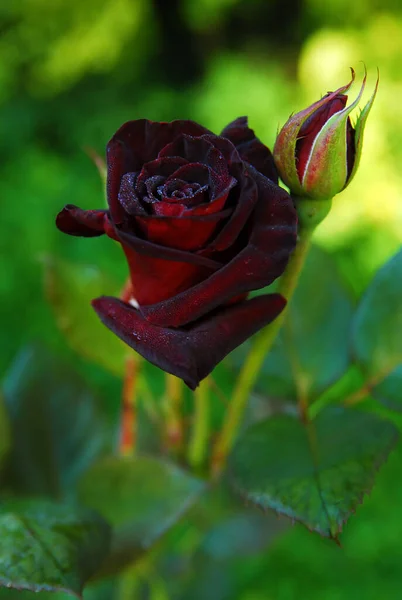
{"x": 82, "y": 223}
{"x": 250, "y": 148}
{"x": 202, "y": 223}
{"x": 189, "y": 353}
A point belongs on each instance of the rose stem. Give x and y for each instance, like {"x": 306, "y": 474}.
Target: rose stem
{"x": 200, "y": 433}
{"x": 261, "y": 346}
{"x": 173, "y": 405}
{"x": 129, "y": 405}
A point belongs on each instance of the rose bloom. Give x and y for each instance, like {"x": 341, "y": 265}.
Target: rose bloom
{"x": 202, "y": 222}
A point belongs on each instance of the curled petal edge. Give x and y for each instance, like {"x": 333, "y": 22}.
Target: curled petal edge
{"x": 190, "y": 353}
{"x": 82, "y": 223}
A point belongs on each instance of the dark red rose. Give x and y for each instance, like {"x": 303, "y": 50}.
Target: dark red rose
{"x": 202, "y": 223}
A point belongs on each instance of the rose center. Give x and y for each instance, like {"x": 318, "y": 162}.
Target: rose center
{"x": 188, "y": 190}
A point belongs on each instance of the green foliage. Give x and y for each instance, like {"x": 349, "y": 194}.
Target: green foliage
{"x": 378, "y": 323}
{"x": 377, "y": 333}
{"x": 141, "y": 497}
{"x": 56, "y": 425}
{"x": 311, "y": 351}
{"x": 240, "y": 534}
{"x": 70, "y": 74}
{"x": 50, "y": 547}
{"x": 70, "y": 289}
{"x": 316, "y": 474}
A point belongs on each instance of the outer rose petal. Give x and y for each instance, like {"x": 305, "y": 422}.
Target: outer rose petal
{"x": 250, "y": 148}
{"x": 272, "y": 239}
{"x": 190, "y": 353}
{"x": 145, "y": 139}
{"x": 85, "y": 223}
{"x": 156, "y": 279}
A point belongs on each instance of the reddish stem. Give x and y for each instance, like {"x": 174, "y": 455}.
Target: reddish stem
{"x": 127, "y": 291}
{"x": 174, "y": 432}
{"x": 128, "y": 434}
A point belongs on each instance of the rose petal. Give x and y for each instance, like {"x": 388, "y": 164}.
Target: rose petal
{"x": 136, "y": 143}
{"x": 218, "y": 182}
{"x": 247, "y": 197}
{"x": 184, "y": 233}
{"x": 85, "y": 223}
{"x": 132, "y": 242}
{"x": 250, "y": 148}
{"x": 179, "y": 191}
{"x": 144, "y": 139}
{"x": 152, "y": 185}
{"x": 193, "y": 173}
{"x": 200, "y": 150}
{"x": 225, "y": 147}
{"x": 156, "y": 279}
{"x": 169, "y": 209}
{"x": 272, "y": 239}
{"x": 160, "y": 166}
{"x": 128, "y": 198}
{"x": 190, "y": 353}
{"x": 118, "y": 164}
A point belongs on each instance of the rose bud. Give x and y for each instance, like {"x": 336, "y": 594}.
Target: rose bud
{"x": 317, "y": 151}
{"x": 202, "y": 222}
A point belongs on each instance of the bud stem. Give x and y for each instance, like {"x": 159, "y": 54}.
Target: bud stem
{"x": 311, "y": 213}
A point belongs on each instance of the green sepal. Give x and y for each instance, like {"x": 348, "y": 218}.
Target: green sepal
{"x": 285, "y": 145}
{"x": 359, "y": 130}
{"x": 326, "y": 172}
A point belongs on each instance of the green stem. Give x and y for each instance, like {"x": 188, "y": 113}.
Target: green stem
{"x": 199, "y": 439}
{"x": 262, "y": 344}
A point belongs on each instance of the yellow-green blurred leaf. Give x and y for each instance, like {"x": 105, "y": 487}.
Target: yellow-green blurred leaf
{"x": 70, "y": 289}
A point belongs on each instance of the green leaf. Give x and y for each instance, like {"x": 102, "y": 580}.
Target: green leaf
{"x": 241, "y": 534}
{"x": 10, "y": 594}
{"x": 70, "y": 289}
{"x": 50, "y": 547}
{"x": 377, "y": 333}
{"x": 56, "y": 426}
{"x": 318, "y": 475}
{"x": 5, "y": 434}
{"x": 311, "y": 351}
{"x": 389, "y": 391}
{"x": 142, "y": 498}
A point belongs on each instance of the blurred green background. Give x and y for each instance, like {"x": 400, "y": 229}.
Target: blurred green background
{"x": 72, "y": 72}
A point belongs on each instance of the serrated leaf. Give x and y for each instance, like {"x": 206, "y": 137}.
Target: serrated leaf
{"x": 141, "y": 497}
{"x": 56, "y": 425}
{"x": 50, "y": 547}
{"x": 10, "y": 594}
{"x": 377, "y": 333}
{"x": 311, "y": 350}
{"x": 70, "y": 289}
{"x": 316, "y": 476}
